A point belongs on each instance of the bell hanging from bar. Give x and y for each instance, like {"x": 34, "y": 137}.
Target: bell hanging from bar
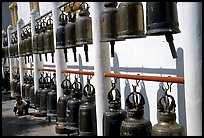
{"x": 70, "y": 36}
{"x": 113, "y": 117}
{"x": 135, "y": 124}
{"x": 16, "y": 47}
{"x": 49, "y": 39}
{"x": 11, "y": 52}
{"x": 167, "y": 125}
{"x": 130, "y": 19}
{"x": 162, "y": 19}
{"x": 83, "y": 28}
{"x": 108, "y": 20}
{"x": 35, "y": 38}
{"x": 41, "y": 38}
{"x": 28, "y": 43}
{"x": 60, "y": 36}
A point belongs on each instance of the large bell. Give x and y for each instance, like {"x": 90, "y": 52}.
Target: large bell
{"x": 49, "y": 39}
{"x": 60, "y": 34}
{"x": 135, "y": 124}
{"x": 83, "y": 28}
{"x": 72, "y": 109}
{"x": 15, "y": 48}
{"x": 35, "y": 38}
{"x": 162, "y": 19}
{"x": 130, "y": 20}
{"x": 113, "y": 117}
{"x": 41, "y": 38}
{"x": 108, "y": 21}
{"x": 28, "y": 43}
{"x": 87, "y": 112}
{"x": 167, "y": 125}
{"x": 60, "y": 127}
{"x": 70, "y": 36}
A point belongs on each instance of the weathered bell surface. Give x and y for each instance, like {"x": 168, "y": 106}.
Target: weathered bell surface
{"x": 70, "y": 36}
{"x": 167, "y": 125}
{"x": 87, "y": 112}
{"x": 113, "y": 117}
{"x": 73, "y": 104}
{"x": 130, "y": 20}
{"x": 162, "y": 19}
{"x": 49, "y": 39}
{"x": 27, "y": 88}
{"x": 41, "y": 38}
{"x": 28, "y": 43}
{"x": 35, "y": 39}
{"x": 135, "y": 124}
{"x": 60, "y": 36}
{"x": 83, "y": 28}
{"x": 108, "y": 21}
{"x": 32, "y": 96}
{"x": 44, "y": 94}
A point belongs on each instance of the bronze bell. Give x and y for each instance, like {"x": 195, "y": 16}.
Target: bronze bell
{"x": 28, "y": 43}
{"x": 70, "y": 36}
{"x": 35, "y": 38}
{"x": 130, "y": 19}
{"x": 22, "y": 45}
{"x": 113, "y": 117}
{"x": 167, "y": 125}
{"x": 135, "y": 124}
{"x": 16, "y": 47}
{"x": 49, "y": 39}
{"x": 108, "y": 20}
{"x": 5, "y": 46}
{"x": 87, "y": 112}
{"x": 162, "y": 19}
{"x": 83, "y": 28}
{"x": 41, "y": 38}
{"x": 60, "y": 36}
{"x": 11, "y": 50}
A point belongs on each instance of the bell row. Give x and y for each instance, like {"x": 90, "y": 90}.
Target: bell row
{"x": 75, "y": 29}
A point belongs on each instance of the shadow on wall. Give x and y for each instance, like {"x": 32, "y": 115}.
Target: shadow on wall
{"x": 179, "y": 72}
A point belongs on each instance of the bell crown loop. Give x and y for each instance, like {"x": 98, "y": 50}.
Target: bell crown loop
{"x": 110, "y": 4}
{"x": 117, "y": 98}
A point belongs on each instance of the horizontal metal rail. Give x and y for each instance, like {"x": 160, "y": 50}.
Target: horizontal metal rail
{"x": 146, "y": 78}
{"x": 78, "y": 72}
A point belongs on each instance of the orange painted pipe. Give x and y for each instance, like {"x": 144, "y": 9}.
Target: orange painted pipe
{"x": 44, "y": 69}
{"x": 78, "y": 72}
{"x": 146, "y": 78}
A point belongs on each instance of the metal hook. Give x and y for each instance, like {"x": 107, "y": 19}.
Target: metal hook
{"x": 168, "y": 87}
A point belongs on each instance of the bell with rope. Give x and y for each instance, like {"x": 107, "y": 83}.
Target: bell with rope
{"x": 83, "y": 28}
{"x": 167, "y": 125}
{"x": 130, "y": 19}
{"x": 108, "y": 21}
{"x": 162, "y": 19}
{"x": 135, "y": 124}
{"x": 49, "y": 39}
{"x": 70, "y": 36}
{"x": 61, "y": 124}
{"x": 87, "y": 111}
{"x": 60, "y": 35}
{"x": 113, "y": 117}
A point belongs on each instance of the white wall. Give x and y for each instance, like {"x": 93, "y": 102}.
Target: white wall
{"x": 145, "y": 56}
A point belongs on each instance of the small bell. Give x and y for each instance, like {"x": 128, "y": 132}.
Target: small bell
{"x": 162, "y": 19}
{"x": 135, "y": 124}
{"x": 167, "y": 125}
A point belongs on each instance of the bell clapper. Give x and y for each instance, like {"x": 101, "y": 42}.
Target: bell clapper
{"x": 65, "y": 55}
{"x": 112, "y": 43}
{"x": 74, "y": 52}
{"x": 170, "y": 39}
{"x": 86, "y": 52}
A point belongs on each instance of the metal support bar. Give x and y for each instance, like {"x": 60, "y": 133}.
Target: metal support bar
{"x": 78, "y": 72}
{"x": 147, "y": 78}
